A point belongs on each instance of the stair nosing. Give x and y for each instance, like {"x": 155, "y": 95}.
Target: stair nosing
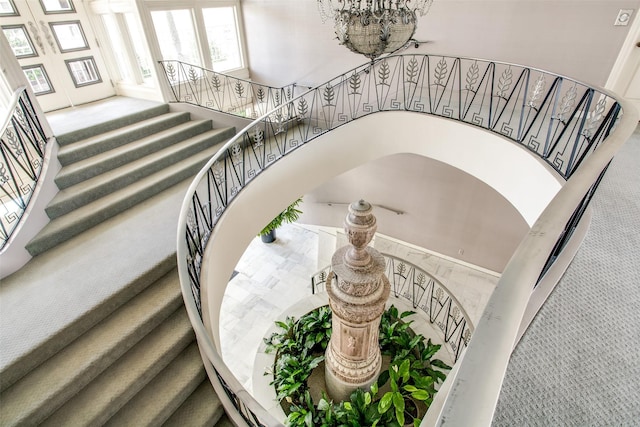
{"x": 202, "y": 403}
{"x": 21, "y": 399}
{"x": 47, "y": 348}
{"x": 73, "y": 136}
{"x": 115, "y": 386}
{"x": 182, "y": 376}
{"x": 112, "y": 159}
{"x": 127, "y": 174}
{"x": 86, "y": 148}
{"x": 93, "y": 213}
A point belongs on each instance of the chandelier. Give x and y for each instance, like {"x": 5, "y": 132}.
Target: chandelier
{"x": 373, "y": 27}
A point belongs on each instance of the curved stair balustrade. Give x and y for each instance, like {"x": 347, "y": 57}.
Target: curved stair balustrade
{"x": 564, "y": 122}
{"x": 196, "y": 85}
{"x": 424, "y": 292}
{"x": 22, "y": 147}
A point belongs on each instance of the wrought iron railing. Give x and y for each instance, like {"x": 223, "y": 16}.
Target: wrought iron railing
{"x": 425, "y": 292}
{"x": 196, "y": 85}
{"x": 22, "y": 148}
{"x": 560, "y": 120}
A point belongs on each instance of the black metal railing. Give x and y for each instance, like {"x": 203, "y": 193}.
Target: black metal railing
{"x": 196, "y": 85}
{"x": 22, "y": 148}
{"x": 426, "y": 293}
{"x": 562, "y": 123}
{"x": 558, "y": 119}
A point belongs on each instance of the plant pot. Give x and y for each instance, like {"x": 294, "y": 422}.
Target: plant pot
{"x": 270, "y": 237}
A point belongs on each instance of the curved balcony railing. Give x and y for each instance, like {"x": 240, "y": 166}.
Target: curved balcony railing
{"x": 425, "y": 292}
{"x": 22, "y": 148}
{"x": 568, "y": 124}
{"x": 196, "y": 85}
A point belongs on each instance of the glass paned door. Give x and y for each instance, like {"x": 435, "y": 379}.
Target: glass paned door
{"x": 54, "y": 44}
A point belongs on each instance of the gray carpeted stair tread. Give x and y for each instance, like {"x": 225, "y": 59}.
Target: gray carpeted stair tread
{"x": 112, "y": 389}
{"x": 63, "y": 228}
{"x": 95, "y": 123}
{"x": 92, "y": 189}
{"x": 48, "y": 386}
{"x": 201, "y": 409}
{"x": 224, "y": 422}
{"x": 165, "y": 393}
{"x": 101, "y": 143}
{"x": 93, "y": 274}
{"x": 103, "y": 162}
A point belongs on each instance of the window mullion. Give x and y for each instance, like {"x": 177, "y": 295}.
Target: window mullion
{"x": 202, "y": 38}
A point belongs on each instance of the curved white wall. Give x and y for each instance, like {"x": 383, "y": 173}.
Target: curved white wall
{"x": 512, "y": 171}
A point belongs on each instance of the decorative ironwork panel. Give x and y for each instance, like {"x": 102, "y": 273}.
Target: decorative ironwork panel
{"x": 22, "y": 147}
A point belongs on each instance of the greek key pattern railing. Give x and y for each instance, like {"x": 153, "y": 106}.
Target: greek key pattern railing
{"x": 560, "y": 120}
{"x": 22, "y": 147}
{"x": 196, "y": 85}
{"x": 426, "y": 293}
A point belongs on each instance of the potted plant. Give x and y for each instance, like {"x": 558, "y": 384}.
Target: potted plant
{"x": 289, "y": 215}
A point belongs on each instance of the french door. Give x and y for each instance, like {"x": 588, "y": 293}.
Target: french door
{"x": 54, "y": 44}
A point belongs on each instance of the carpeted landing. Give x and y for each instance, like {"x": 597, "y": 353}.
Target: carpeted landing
{"x": 578, "y": 364}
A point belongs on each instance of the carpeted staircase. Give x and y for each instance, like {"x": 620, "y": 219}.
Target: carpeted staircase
{"x": 94, "y": 330}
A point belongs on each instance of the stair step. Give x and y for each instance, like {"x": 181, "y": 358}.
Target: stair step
{"x": 112, "y": 389}
{"x": 109, "y": 125}
{"x": 201, "y": 409}
{"x": 101, "y": 163}
{"x": 47, "y": 387}
{"x": 225, "y": 422}
{"x": 94, "y": 145}
{"x": 67, "y": 226}
{"x": 88, "y": 191}
{"x": 65, "y": 333}
{"x": 165, "y": 393}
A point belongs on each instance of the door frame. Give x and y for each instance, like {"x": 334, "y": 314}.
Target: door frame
{"x": 622, "y": 70}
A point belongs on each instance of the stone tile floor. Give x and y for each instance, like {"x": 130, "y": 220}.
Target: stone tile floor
{"x": 274, "y": 279}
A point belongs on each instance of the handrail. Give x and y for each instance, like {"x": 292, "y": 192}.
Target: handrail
{"x": 425, "y": 292}
{"x": 22, "y": 148}
{"x": 197, "y": 85}
{"x": 564, "y": 123}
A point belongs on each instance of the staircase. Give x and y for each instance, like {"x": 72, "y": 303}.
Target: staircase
{"x": 94, "y": 331}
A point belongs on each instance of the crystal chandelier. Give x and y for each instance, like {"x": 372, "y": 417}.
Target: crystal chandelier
{"x": 373, "y": 27}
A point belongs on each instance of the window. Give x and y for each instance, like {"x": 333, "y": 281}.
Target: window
{"x": 207, "y": 33}
{"x": 19, "y": 41}
{"x": 69, "y": 36}
{"x": 38, "y": 79}
{"x": 119, "y": 51}
{"x": 57, "y": 6}
{"x": 222, "y": 38}
{"x": 138, "y": 42}
{"x": 176, "y": 35}
{"x": 83, "y": 71}
{"x": 7, "y": 8}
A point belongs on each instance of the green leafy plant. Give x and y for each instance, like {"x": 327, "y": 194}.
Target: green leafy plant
{"x": 408, "y": 386}
{"x": 412, "y": 376}
{"x": 293, "y": 371}
{"x": 300, "y": 346}
{"x": 289, "y": 215}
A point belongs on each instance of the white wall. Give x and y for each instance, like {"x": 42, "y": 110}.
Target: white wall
{"x": 288, "y": 42}
{"x": 443, "y": 208}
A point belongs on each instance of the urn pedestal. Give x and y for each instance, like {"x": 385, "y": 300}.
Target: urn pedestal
{"x": 358, "y": 291}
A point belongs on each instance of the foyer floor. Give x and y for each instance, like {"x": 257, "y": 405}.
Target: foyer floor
{"x": 274, "y": 277}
